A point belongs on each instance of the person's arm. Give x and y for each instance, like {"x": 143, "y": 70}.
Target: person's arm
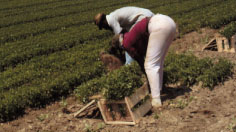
{"x": 140, "y": 61}
{"x": 117, "y": 42}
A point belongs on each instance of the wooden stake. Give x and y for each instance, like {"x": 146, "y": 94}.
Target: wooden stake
{"x": 120, "y": 123}
{"x": 84, "y": 108}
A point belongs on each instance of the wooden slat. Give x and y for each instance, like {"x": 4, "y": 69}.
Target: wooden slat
{"x": 219, "y": 44}
{"x": 106, "y": 116}
{"x": 129, "y": 109}
{"x": 142, "y": 110}
{"x": 84, "y": 108}
{"x": 98, "y": 96}
{"x": 211, "y": 42}
{"x": 130, "y": 102}
{"x": 128, "y": 114}
{"x": 120, "y": 123}
{"x": 210, "y": 46}
{"x": 104, "y": 101}
{"x": 102, "y": 111}
{"x": 233, "y": 43}
{"x": 138, "y": 95}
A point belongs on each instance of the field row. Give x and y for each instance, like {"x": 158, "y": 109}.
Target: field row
{"x": 45, "y": 76}
{"x": 23, "y": 4}
{"x": 47, "y": 53}
{"x": 34, "y": 28}
{"x": 11, "y": 55}
{"x": 52, "y": 77}
{"x": 39, "y": 8}
{"x": 214, "y": 16}
{"x": 46, "y": 42}
{"x": 36, "y": 53}
{"x": 23, "y": 29}
{"x": 185, "y": 70}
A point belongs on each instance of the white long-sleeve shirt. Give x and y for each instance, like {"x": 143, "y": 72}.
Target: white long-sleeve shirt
{"x": 126, "y": 17}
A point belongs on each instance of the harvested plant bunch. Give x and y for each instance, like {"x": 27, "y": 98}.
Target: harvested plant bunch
{"x": 115, "y": 85}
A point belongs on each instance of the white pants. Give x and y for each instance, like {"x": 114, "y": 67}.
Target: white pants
{"x": 162, "y": 32}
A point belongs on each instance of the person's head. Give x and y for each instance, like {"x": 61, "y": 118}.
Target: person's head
{"x": 101, "y": 21}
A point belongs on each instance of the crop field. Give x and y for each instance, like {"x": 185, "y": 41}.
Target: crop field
{"x": 50, "y": 47}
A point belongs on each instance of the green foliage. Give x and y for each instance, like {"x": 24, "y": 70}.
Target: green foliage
{"x": 50, "y": 47}
{"x": 89, "y": 88}
{"x": 114, "y": 85}
{"x": 42, "y": 117}
{"x": 156, "y": 116}
{"x": 89, "y": 128}
{"x": 229, "y": 30}
{"x": 188, "y": 70}
{"x": 14, "y": 101}
{"x": 122, "y": 82}
{"x": 210, "y": 13}
{"x": 216, "y": 74}
{"x": 179, "y": 68}
{"x": 184, "y": 68}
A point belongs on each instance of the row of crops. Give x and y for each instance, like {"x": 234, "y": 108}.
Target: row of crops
{"x": 50, "y": 47}
{"x": 184, "y": 69}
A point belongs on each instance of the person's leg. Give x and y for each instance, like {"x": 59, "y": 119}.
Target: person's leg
{"x": 153, "y": 62}
{"x": 162, "y": 62}
{"x": 162, "y": 30}
{"x": 128, "y": 59}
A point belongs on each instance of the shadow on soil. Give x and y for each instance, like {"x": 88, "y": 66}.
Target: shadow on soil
{"x": 173, "y": 92}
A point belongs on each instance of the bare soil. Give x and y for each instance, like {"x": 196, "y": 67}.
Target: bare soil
{"x": 193, "y": 109}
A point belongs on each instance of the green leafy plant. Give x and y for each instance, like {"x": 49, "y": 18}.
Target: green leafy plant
{"x": 189, "y": 70}
{"x": 232, "y": 125}
{"x": 114, "y": 85}
{"x": 216, "y": 74}
{"x": 156, "y": 116}
{"x": 63, "y": 103}
{"x": 229, "y": 30}
{"x": 88, "y": 127}
{"x": 42, "y": 117}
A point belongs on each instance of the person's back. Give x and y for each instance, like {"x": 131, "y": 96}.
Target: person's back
{"x": 121, "y": 21}
{"x": 126, "y": 17}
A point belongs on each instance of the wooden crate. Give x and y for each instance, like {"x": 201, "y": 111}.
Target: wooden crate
{"x": 221, "y": 44}
{"x": 127, "y": 111}
{"x": 233, "y": 43}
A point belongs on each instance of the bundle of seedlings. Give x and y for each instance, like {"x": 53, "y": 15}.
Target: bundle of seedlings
{"x": 114, "y": 85}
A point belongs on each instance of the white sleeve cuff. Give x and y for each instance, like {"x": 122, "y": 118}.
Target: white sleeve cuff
{"x": 121, "y": 37}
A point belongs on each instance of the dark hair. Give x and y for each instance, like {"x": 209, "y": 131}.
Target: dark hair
{"x": 102, "y": 22}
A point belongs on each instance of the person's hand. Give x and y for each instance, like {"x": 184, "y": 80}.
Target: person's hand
{"x": 116, "y": 48}
{"x": 115, "y": 43}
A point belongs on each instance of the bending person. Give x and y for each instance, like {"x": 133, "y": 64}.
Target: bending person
{"x": 147, "y": 42}
{"x": 121, "y": 21}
